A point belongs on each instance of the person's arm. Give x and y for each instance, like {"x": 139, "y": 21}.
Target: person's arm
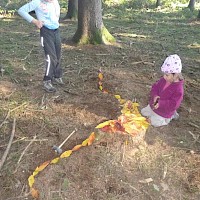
{"x": 173, "y": 103}
{"x": 154, "y": 94}
{"x": 24, "y": 12}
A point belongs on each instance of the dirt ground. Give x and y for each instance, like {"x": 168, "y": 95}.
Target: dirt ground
{"x": 163, "y": 166}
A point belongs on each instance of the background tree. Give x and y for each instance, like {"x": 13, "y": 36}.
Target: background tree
{"x": 198, "y": 16}
{"x": 158, "y": 3}
{"x": 191, "y": 5}
{"x": 72, "y": 10}
{"x": 90, "y": 24}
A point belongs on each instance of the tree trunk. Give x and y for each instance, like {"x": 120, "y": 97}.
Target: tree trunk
{"x": 72, "y": 10}
{"x": 91, "y": 29}
{"x": 198, "y": 17}
{"x": 158, "y": 3}
{"x": 191, "y": 5}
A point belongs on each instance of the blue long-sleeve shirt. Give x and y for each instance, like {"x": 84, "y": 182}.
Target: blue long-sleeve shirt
{"x": 47, "y": 12}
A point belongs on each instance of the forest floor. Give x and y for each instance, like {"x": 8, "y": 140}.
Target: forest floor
{"x": 165, "y": 165}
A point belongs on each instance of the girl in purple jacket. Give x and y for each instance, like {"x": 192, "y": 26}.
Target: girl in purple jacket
{"x": 166, "y": 94}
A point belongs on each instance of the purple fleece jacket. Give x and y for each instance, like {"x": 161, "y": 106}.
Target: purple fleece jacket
{"x": 170, "y": 98}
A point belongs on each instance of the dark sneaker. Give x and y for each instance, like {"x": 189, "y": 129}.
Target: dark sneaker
{"x": 58, "y": 81}
{"x": 48, "y": 86}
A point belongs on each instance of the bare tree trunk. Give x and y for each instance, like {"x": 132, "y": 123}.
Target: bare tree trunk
{"x": 158, "y": 3}
{"x": 191, "y": 5}
{"x": 198, "y": 16}
{"x": 91, "y": 29}
{"x": 72, "y": 10}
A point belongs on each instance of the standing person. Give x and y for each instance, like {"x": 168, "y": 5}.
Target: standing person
{"x": 166, "y": 94}
{"x": 48, "y": 13}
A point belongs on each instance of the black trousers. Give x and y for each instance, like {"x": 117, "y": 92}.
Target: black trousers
{"x": 51, "y": 42}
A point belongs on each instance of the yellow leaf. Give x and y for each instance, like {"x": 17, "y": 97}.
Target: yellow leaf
{"x": 77, "y": 147}
{"x": 91, "y": 138}
{"x": 100, "y": 76}
{"x": 122, "y": 101}
{"x": 117, "y": 96}
{"x": 34, "y": 193}
{"x": 139, "y": 118}
{"x": 31, "y": 181}
{"x": 100, "y": 87}
{"x": 55, "y": 160}
{"x": 66, "y": 154}
{"x": 106, "y": 123}
{"x": 85, "y": 142}
{"x": 35, "y": 173}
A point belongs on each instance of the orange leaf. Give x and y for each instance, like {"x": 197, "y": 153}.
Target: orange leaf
{"x": 66, "y": 154}
{"x": 34, "y": 193}
{"x": 100, "y": 83}
{"x": 105, "y": 91}
{"x": 106, "y": 128}
{"x": 106, "y": 123}
{"x": 91, "y": 138}
{"x": 42, "y": 166}
{"x": 77, "y": 147}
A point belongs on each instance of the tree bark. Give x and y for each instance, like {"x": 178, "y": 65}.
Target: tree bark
{"x": 191, "y": 5}
{"x": 198, "y": 16}
{"x": 158, "y": 3}
{"x": 72, "y": 10}
{"x": 91, "y": 29}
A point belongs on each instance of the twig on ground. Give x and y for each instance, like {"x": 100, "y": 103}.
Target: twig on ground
{"x": 131, "y": 187}
{"x": 9, "y": 144}
{"x": 27, "y": 54}
{"x": 143, "y": 62}
{"x": 8, "y": 114}
{"x": 4, "y": 121}
{"x": 14, "y": 141}
{"x": 22, "y": 154}
{"x": 194, "y": 125}
{"x": 195, "y": 137}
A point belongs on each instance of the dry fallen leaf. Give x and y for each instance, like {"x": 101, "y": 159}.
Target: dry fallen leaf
{"x": 31, "y": 181}
{"x": 91, "y": 138}
{"x": 77, "y": 147}
{"x": 66, "y": 154}
{"x": 34, "y": 193}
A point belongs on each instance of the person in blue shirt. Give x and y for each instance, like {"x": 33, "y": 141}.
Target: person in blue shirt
{"x": 47, "y": 13}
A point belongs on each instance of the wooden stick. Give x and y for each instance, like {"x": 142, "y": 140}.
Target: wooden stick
{"x": 26, "y": 149}
{"x": 9, "y": 144}
{"x": 24, "y": 152}
{"x": 4, "y": 121}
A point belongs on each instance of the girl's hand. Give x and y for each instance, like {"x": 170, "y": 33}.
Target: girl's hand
{"x": 155, "y": 102}
{"x": 156, "y": 106}
{"x": 38, "y": 24}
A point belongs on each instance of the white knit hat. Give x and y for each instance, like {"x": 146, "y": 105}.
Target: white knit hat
{"x": 172, "y": 64}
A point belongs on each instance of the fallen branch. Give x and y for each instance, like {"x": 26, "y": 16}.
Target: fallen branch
{"x": 4, "y": 121}
{"x": 27, "y": 54}
{"x": 9, "y": 144}
{"x": 14, "y": 142}
{"x": 193, "y": 124}
{"x": 24, "y": 152}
